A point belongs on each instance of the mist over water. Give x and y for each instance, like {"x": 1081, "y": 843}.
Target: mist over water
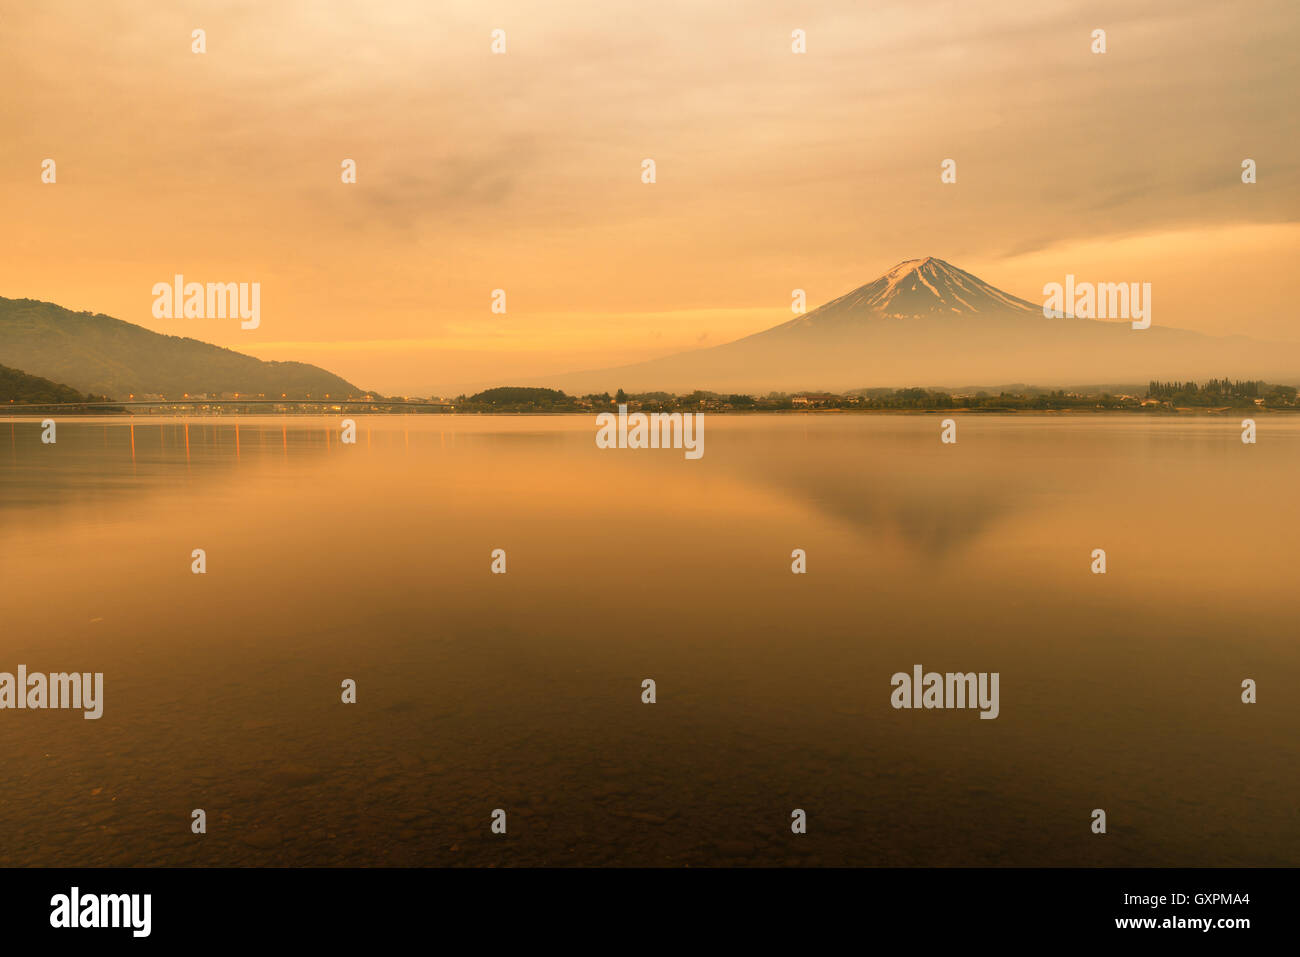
{"x": 522, "y": 691}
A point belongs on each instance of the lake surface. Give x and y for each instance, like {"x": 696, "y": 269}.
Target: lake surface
{"x": 522, "y": 691}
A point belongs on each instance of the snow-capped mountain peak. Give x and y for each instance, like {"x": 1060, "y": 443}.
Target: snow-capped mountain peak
{"x": 921, "y": 288}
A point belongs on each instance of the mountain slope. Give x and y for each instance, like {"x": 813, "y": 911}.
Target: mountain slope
{"x": 96, "y": 353}
{"x": 19, "y": 387}
{"x": 928, "y": 323}
{"x": 915, "y": 289}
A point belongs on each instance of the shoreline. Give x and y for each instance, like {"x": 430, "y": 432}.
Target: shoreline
{"x": 16, "y": 415}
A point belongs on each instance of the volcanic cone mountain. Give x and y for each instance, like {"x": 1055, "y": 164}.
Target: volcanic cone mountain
{"x": 926, "y": 322}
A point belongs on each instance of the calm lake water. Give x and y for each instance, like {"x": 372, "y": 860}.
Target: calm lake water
{"x": 522, "y": 691}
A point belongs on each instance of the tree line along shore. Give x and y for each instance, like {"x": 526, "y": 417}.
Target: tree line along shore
{"x": 28, "y": 394}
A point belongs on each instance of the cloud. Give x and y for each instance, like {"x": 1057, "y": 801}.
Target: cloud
{"x": 477, "y": 172}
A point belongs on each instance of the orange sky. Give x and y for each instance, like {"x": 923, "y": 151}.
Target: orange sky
{"x": 775, "y": 171}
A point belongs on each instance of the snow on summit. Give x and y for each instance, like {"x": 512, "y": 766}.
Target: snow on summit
{"x": 917, "y": 288}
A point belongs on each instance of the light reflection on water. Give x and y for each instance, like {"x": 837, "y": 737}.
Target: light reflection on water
{"x": 523, "y": 691}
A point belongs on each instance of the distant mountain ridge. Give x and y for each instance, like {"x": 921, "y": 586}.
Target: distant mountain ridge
{"x": 107, "y": 356}
{"x": 928, "y": 323}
